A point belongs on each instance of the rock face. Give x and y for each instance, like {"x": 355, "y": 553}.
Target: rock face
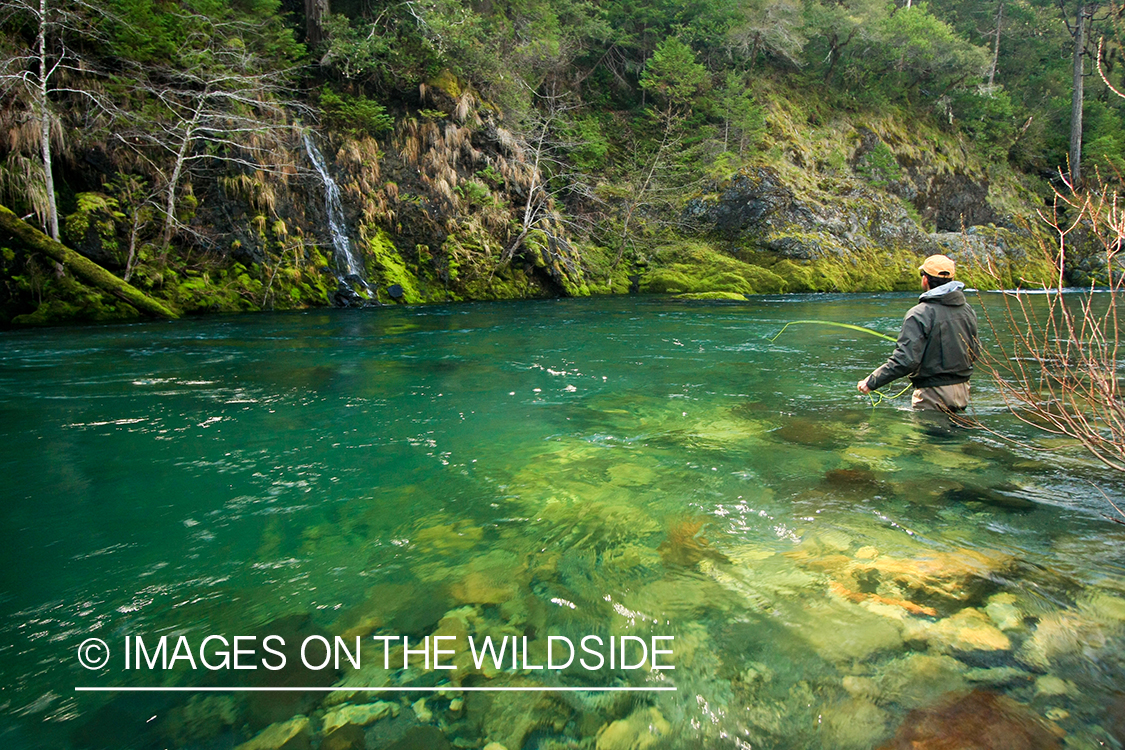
{"x": 770, "y": 216}
{"x": 977, "y": 721}
{"x": 755, "y": 209}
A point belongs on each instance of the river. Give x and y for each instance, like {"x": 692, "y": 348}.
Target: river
{"x": 536, "y": 473}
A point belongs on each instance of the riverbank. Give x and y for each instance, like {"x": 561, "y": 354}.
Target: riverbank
{"x": 448, "y": 205}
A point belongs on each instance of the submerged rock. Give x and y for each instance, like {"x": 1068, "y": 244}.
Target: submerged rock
{"x": 493, "y": 578}
{"x": 842, "y": 632}
{"x": 915, "y": 680}
{"x": 1003, "y": 612}
{"x": 639, "y": 730}
{"x": 1002, "y": 497}
{"x": 201, "y": 718}
{"x": 857, "y": 482}
{"x": 347, "y": 737}
{"x": 854, "y": 723}
{"x": 967, "y": 630}
{"x": 685, "y": 547}
{"x": 977, "y": 721}
{"x": 421, "y": 738}
{"x": 264, "y": 708}
{"x": 939, "y": 581}
{"x": 286, "y": 735}
{"x": 406, "y": 609}
{"x": 811, "y": 433}
{"x": 1061, "y": 635}
{"x": 358, "y": 715}
{"x": 510, "y": 717}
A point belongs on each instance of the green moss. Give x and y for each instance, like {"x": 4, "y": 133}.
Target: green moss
{"x": 727, "y": 296}
{"x": 386, "y": 267}
{"x": 447, "y": 82}
{"x": 94, "y": 219}
{"x": 65, "y": 299}
{"x": 694, "y": 268}
{"x": 869, "y": 271}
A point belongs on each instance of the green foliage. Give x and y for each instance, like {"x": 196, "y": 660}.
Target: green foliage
{"x": 591, "y": 150}
{"x": 673, "y": 74}
{"x": 95, "y": 211}
{"x": 474, "y": 193}
{"x": 879, "y": 166}
{"x": 356, "y": 115}
{"x": 744, "y": 122}
{"x": 665, "y": 94}
{"x": 1104, "y": 139}
{"x": 987, "y": 117}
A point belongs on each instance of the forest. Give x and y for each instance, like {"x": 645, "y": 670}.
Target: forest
{"x": 524, "y": 148}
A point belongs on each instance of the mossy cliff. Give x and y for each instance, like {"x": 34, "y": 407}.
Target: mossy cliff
{"x": 437, "y": 207}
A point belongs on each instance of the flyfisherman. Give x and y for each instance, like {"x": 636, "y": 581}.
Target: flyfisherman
{"x": 938, "y": 343}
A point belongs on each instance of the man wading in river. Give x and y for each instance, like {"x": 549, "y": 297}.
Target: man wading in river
{"x": 937, "y": 345}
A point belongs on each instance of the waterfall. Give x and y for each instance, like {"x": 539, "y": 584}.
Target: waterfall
{"x": 346, "y": 261}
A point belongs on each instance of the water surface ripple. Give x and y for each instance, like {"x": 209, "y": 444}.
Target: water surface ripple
{"x": 611, "y": 467}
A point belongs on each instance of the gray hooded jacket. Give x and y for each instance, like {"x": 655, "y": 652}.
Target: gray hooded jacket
{"x": 938, "y": 343}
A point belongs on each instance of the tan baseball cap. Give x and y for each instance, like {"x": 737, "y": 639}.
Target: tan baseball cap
{"x": 938, "y": 266}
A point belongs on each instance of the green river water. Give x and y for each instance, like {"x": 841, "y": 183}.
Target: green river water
{"x": 613, "y": 467}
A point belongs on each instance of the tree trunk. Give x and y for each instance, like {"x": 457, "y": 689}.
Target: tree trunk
{"x": 315, "y": 12}
{"x": 81, "y": 266}
{"x": 1076, "y": 98}
{"x": 996, "y": 45}
{"x": 45, "y": 126}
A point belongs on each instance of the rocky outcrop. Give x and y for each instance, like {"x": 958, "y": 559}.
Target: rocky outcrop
{"x": 756, "y": 210}
{"x": 876, "y": 211}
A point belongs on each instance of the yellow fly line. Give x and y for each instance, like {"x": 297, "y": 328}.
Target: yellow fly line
{"x": 876, "y": 397}
{"x": 861, "y": 329}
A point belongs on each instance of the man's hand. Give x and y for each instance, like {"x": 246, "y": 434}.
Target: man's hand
{"x": 862, "y": 386}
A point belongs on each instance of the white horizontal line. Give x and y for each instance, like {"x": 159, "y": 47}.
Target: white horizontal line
{"x": 349, "y": 689}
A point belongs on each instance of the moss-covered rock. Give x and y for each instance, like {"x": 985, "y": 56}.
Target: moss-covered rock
{"x": 695, "y": 268}
{"x": 386, "y": 268}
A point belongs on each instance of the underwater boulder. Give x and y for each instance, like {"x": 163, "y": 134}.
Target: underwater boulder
{"x": 1116, "y": 715}
{"x": 640, "y": 730}
{"x": 286, "y": 735}
{"x": 358, "y": 714}
{"x": 347, "y": 737}
{"x": 966, "y": 632}
{"x": 685, "y": 547}
{"x": 811, "y": 433}
{"x": 943, "y": 582}
{"x": 421, "y": 738}
{"x": 1002, "y": 496}
{"x": 857, "y": 482}
{"x": 977, "y": 721}
{"x": 271, "y": 707}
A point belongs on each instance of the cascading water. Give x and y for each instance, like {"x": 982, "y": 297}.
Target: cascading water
{"x": 348, "y": 265}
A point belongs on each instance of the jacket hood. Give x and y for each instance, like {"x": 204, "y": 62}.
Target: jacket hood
{"x": 947, "y": 294}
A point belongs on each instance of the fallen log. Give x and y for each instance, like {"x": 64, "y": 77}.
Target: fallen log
{"x": 82, "y": 267}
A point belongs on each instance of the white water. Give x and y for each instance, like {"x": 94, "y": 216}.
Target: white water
{"x": 346, "y": 260}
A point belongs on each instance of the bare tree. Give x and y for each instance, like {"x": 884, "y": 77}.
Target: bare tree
{"x": 33, "y": 75}
{"x": 996, "y": 45}
{"x": 544, "y": 145}
{"x": 1057, "y": 355}
{"x": 223, "y": 104}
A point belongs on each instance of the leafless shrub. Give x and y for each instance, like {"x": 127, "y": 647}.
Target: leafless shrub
{"x": 1056, "y": 359}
